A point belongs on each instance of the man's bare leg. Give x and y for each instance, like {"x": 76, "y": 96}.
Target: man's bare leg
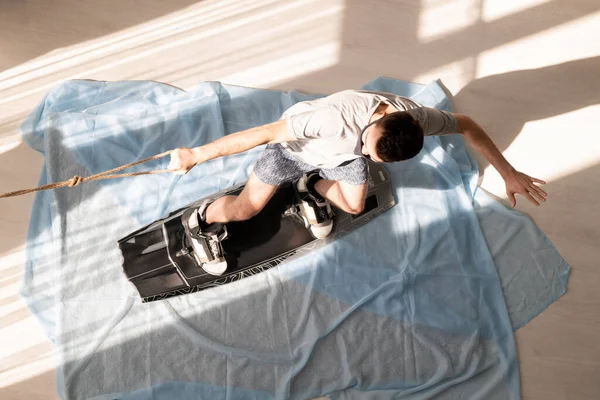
{"x": 347, "y": 197}
{"x": 247, "y": 204}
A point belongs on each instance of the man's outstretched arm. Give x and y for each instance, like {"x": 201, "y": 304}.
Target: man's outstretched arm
{"x": 184, "y": 159}
{"x": 516, "y": 182}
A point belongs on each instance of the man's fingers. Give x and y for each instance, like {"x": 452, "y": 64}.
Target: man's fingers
{"x": 531, "y": 199}
{"x": 539, "y": 193}
{"x": 536, "y": 180}
{"x": 511, "y": 197}
{"x": 539, "y": 189}
{"x": 175, "y": 164}
{"x": 174, "y": 167}
{"x": 535, "y": 187}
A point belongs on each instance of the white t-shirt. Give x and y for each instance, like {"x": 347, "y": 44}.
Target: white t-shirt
{"x": 328, "y": 130}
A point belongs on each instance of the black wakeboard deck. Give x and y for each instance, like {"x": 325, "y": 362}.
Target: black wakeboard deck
{"x": 157, "y": 259}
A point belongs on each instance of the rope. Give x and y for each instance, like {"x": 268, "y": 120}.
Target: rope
{"x": 78, "y": 180}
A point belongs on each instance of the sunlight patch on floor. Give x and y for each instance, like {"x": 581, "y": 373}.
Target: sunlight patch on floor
{"x": 493, "y": 9}
{"x": 545, "y": 148}
{"x": 569, "y": 41}
{"x": 440, "y": 18}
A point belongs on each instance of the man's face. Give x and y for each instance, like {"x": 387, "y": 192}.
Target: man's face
{"x": 369, "y": 138}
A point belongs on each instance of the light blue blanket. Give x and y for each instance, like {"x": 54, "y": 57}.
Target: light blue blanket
{"x": 419, "y": 303}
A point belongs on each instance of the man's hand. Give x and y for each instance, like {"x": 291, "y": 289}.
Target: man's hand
{"x": 182, "y": 160}
{"x": 518, "y": 182}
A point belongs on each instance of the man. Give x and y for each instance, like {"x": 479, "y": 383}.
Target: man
{"x": 334, "y": 136}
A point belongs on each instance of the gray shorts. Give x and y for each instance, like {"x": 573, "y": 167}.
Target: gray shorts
{"x": 276, "y": 166}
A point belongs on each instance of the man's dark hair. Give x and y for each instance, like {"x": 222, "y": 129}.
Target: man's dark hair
{"x": 402, "y": 137}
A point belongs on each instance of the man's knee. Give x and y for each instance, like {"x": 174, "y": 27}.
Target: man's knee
{"x": 356, "y": 209}
{"x": 354, "y": 196}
